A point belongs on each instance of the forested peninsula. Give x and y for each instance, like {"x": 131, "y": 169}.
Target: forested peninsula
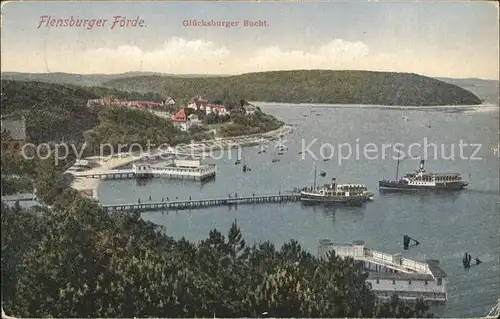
{"x": 308, "y": 86}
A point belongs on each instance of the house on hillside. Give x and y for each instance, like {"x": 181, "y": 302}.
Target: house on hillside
{"x": 193, "y": 118}
{"x": 198, "y": 104}
{"x": 168, "y": 100}
{"x": 181, "y": 120}
{"x": 13, "y": 133}
{"x": 249, "y": 109}
{"x": 124, "y": 103}
{"x": 217, "y": 109}
{"x": 144, "y": 104}
{"x": 93, "y": 102}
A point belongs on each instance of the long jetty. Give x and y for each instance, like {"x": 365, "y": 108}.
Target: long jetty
{"x": 200, "y": 203}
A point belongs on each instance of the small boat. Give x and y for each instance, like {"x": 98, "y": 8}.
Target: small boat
{"x": 422, "y": 180}
{"x": 275, "y": 160}
{"x": 429, "y": 125}
{"x": 237, "y": 162}
{"x": 326, "y": 159}
{"x": 322, "y": 174}
{"x": 496, "y": 150}
{"x": 280, "y": 153}
{"x": 245, "y": 167}
{"x": 300, "y": 153}
{"x": 405, "y": 117}
{"x": 466, "y": 260}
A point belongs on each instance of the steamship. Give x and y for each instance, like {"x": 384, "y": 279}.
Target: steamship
{"x": 422, "y": 180}
{"x": 333, "y": 193}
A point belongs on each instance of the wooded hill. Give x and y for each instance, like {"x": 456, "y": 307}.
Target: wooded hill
{"x": 308, "y": 86}
{"x": 74, "y": 261}
{"x": 54, "y": 111}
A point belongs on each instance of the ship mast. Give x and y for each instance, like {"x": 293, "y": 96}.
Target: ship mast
{"x": 397, "y": 170}
{"x": 397, "y": 166}
{"x": 314, "y": 177}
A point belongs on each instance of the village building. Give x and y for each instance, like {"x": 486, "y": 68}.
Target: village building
{"x": 249, "y": 109}
{"x": 216, "y": 109}
{"x": 168, "y": 100}
{"x": 184, "y": 122}
{"x": 131, "y": 104}
{"x": 193, "y": 118}
{"x": 13, "y": 133}
{"x": 144, "y": 104}
{"x": 200, "y": 104}
{"x": 197, "y": 103}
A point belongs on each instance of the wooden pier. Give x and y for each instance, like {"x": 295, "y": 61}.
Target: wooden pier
{"x": 201, "y": 203}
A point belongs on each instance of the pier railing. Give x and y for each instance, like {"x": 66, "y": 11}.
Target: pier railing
{"x": 200, "y": 203}
{"x": 396, "y": 262}
{"x": 359, "y": 252}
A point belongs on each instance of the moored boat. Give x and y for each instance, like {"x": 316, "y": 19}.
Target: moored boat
{"x": 422, "y": 180}
{"x": 350, "y": 194}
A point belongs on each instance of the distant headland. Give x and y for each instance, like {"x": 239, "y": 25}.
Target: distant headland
{"x": 297, "y": 86}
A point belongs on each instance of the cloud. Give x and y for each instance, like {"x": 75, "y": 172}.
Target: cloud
{"x": 181, "y": 56}
{"x": 176, "y": 55}
{"x": 331, "y": 55}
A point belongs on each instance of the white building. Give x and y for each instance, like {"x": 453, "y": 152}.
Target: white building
{"x": 392, "y": 274}
{"x": 181, "y": 120}
{"x": 177, "y": 167}
{"x": 193, "y": 118}
{"x": 218, "y": 109}
{"x": 197, "y": 103}
{"x": 249, "y": 109}
{"x": 168, "y": 101}
{"x": 200, "y": 104}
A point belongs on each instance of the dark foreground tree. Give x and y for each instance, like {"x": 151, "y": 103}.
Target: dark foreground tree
{"x": 76, "y": 261}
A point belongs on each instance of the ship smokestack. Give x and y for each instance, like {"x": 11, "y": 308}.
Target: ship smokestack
{"x": 422, "y": 165}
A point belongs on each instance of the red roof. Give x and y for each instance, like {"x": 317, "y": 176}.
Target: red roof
{"x": 200, "y": 103}
{"x": 180, "y": 116}
{"x": 146, "y": 102}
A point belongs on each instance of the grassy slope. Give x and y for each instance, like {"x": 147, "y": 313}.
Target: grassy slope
{"x": 309, "y": 86}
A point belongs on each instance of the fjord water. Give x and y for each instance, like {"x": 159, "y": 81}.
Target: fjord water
{"x": 447, "y": 225}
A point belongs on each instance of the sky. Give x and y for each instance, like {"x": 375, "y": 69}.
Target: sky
{"x": 438, "y": 39}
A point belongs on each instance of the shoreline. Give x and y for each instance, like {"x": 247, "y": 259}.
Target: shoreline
{"x": 355, "y": 106}
{"x": 88, "y": 186}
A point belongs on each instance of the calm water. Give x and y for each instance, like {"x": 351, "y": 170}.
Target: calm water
{"x": 446, "y": 225}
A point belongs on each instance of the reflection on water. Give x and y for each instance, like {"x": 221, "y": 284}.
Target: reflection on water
{"x": 446, "y": 223}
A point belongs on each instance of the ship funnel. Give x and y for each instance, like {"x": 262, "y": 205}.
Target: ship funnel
{"x": 422, "y": 164}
